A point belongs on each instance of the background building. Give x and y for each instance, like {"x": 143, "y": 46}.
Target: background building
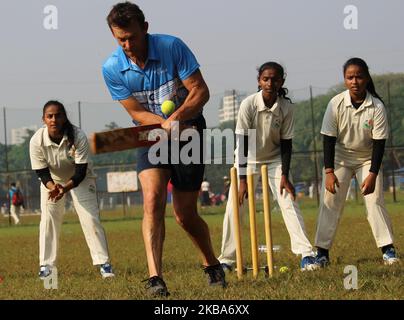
{"x": 18, "y": 135}
{"x": 230, "y": 104}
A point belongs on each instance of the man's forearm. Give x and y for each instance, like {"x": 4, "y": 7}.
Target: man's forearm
{"x": 192, "y": 105}
{"x": 145, "y": 117}
{"x": 138, "y": 113}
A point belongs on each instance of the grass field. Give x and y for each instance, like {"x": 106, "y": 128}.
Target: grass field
{"x": 78, "y": 279}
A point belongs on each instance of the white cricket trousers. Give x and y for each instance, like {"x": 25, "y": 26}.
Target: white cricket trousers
{"x": 85, "y": 202}
{"x": 332, "y": 205}
{"x": 15, "y": 213}
{"x": 291, "y": 214}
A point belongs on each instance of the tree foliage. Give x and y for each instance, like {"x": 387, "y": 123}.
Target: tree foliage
{"x": 303, "y": 142}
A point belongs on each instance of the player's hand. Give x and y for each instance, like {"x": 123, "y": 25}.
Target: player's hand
{"x": 242, "y": 191}
{"x": 56, "y": 193}
{"x": 52, "y": 193}
{"x": 174, "y": 128}
{"x": 369, "y": 184}
{"x": 288, "y": 186}
{"x": 62, "y": 191}
{"x": 167, "y": 125}
{"x": 331, "y": 181}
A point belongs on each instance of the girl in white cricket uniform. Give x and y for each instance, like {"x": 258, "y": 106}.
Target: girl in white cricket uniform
{"x": 270, "y": 113}
{"x": 354, "y": 129}
{"x": 59, "y": 154}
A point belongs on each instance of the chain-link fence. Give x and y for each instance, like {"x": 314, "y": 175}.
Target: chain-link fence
{"x": 307, "y": 159}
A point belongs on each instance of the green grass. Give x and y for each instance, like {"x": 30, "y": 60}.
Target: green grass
{"x": 78, "y": 279}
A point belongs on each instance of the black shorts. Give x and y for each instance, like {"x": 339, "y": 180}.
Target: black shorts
{"x": 184, "y": 177}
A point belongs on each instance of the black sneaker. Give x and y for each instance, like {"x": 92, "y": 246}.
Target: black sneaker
{"x": 156, "y": 287}
{"x": 216, "y": 276}
{"x": 322, "y": 258}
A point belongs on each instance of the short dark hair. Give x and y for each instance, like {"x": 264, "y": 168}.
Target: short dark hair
{"x": 124, "y": 13}
{"x": 13, "y": 184}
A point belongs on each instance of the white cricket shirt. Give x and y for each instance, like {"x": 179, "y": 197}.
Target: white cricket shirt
{"x": 45, "y": 153}
{"x": 271, "y": 126}
{"x": 354, "y": 128}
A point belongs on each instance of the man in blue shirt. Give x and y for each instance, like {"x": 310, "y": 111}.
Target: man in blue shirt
{"x": 15, "y": 203}
{"x": 141, "y": 74}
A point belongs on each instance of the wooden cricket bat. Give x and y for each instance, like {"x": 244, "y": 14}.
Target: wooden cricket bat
{"x": 123, "y": 138}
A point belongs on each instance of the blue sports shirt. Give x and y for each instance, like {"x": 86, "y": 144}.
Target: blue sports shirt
{"x": 11, "y": 192}
{"x": 169, "y": 62}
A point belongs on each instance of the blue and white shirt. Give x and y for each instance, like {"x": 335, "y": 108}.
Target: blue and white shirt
{"x": 169, "y": 62}
{"x": 11, "y": 192}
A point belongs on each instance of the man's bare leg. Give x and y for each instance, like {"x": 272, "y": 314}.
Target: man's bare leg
{"x": 186, "y": 214}
{"x": 154, "y": 186}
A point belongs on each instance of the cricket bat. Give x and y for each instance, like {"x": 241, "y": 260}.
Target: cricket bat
{"x": 124, "y": 138}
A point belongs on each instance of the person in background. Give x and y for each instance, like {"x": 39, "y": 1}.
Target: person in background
{"x": 59, "y": 154}
{"x": 226, "y": 187}
{"x": 16, "y": 202}
{"x": 270, "y": 113}
{"x": 354, "y": 129}
{"x": 205, "y": 193}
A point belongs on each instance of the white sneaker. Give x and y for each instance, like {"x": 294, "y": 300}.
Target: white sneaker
{"x": 44, "y": 271}
{"x": 390, "y": 257}
{"x": 308, "y": 263}
{"x": 106, "y": 271}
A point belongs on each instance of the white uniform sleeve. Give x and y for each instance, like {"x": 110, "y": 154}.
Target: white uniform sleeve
{"x": 380, "y": 126}
{"x": 244, "y": 119}
{"x": 330, "y": 121}
{"x": 36, "y": 154}
{"x": 81, "y": 153}
{"x": 288, "y": 124}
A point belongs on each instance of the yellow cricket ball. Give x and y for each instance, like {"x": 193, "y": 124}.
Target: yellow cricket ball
{"x": 283, "y": 269}
{"x": 168, "y": 107}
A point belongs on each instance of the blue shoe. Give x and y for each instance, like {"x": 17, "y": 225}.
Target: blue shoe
{"x": 309, "y": 264}
{"x": 44, "y": 272}
{"x": 106, "y": 271}
{"x": 322, "y": 260}
{"x": 390, "y": 257}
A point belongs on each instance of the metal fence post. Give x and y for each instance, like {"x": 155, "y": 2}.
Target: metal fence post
{"x": 6, "y": 159}
{"x": 391, "y": 141}
{"x": 315, "y": 147}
